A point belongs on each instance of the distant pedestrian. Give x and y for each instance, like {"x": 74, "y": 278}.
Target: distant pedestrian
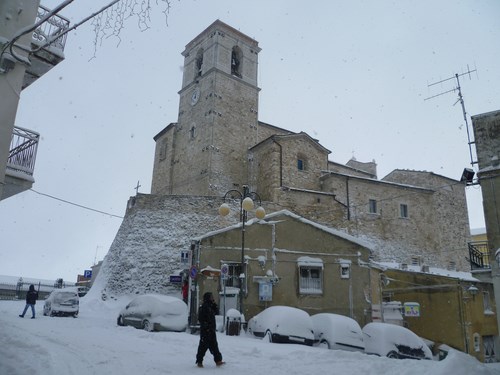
{"x": 208, "y": 337}
{"x": 31, "y": 298}
{"x": 185, "y": 291}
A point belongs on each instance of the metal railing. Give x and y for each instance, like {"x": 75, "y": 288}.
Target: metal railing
{"x": 55, "y": 25}
{"x": 479, "y": 255}
{"x": 17, "y": 291}
{"x": 23, "y": 148}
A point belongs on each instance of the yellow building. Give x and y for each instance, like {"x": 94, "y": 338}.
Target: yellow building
{"x": 444, "y": 306}
{"x": 288, "y": 260}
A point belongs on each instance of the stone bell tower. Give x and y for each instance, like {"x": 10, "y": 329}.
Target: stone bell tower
{"x": 205, "y": 152}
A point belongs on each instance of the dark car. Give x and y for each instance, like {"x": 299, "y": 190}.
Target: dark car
{"x": 283, "y": 324}
{"x": 154, "y": 312}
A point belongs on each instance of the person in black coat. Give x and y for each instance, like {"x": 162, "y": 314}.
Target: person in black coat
{"x": 208, "y": 337}
{"x": 31, "y": 298}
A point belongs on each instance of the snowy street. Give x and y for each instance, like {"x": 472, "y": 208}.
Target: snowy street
{"x": 94, "y": 344}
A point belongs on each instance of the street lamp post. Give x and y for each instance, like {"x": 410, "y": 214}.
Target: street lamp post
{"x": 246, "y": 198}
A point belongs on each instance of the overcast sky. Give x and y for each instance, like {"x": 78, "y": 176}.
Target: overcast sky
{"x": 353, "y": 74}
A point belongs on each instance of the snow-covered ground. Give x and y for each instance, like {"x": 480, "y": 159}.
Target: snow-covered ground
{"x": 94, "y": 344}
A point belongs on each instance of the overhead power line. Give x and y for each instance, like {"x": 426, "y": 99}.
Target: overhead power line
{"x": 76, "y": 204}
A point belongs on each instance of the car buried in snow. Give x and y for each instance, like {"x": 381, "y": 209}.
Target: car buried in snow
{"x": 62, "y": 302}
{"x": 337, "y": 332}
{"x": 283, "y": 324}
{"x": 155, "y": 312}
{"x": 393, "y": 341}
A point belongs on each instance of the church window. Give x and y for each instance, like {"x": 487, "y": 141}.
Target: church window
{"x": 192, "y": 132}
{"x": 403, "y": 211}
{"x": 301, "y": 162}
{"x": 163, "y": 150}
{"x": 198, "y": 64}
{"x": 372, "y": 206}
{"x": 236, "y": 61}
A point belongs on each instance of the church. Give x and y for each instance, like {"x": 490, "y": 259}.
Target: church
{"x": 329, "y": 232}
{"x": 219, "y": 144}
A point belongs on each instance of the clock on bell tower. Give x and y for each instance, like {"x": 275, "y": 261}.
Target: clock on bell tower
{"x": 205, "y": 152}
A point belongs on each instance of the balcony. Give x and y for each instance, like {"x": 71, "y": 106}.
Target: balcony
{"x": 45, "y": 58}
{"x": 21, "y": 162}
{"x": 479, "y": 256}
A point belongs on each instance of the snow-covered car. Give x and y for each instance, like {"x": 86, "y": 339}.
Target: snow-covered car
{"x": 335, "y": 331}
{"x": 62, "y": 302}
{"x": 393, "y": 341}
{"x": 283, "y": 324}
{"x": 155, "y": 312}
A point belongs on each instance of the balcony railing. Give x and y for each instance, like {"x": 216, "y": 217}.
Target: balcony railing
{"x": 23, "y": 148}
{"x": 55, "y": 25}
{"x": 479, "y": 255}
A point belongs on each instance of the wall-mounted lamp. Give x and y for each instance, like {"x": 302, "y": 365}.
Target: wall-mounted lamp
{"x": 473, "y": 290}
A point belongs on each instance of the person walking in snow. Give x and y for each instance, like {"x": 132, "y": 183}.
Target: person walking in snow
{"x": 185, "y": 291}
{"x": 208, "y": 337}
{"x": 31, "y": 298}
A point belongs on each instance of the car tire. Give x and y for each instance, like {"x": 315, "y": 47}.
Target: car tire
{"x": 393, "y": 354}
{"x": 268, "y": 336}
{"x": 324, "y": 344}
{"x": 119, "y": 321}
{"x": 147, "y": 325}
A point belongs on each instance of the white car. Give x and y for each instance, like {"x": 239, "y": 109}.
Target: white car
{"x": 283, "y": 324}
{"x": 155, "y": 312}
{"x": 62, "y": 302}
{"x": 335, "y": 331}
{"x": 393, "y": 341}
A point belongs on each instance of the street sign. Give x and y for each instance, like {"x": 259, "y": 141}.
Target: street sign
{"x": 193, "y": 271}
{"x": 412, "y": 309}
{"x": 175, "y": 278}
{"x": 265, "y": 291}
{"x": 224, "y": 271}
{"x": 87, "y": 274}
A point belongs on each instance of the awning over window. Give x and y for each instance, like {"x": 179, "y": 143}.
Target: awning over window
{"x": 310, "y": 262}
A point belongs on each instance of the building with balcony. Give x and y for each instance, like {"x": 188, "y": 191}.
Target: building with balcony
{"x": 30, "y": 45}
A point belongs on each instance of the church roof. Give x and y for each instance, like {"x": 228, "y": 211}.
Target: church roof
{"x": 219, "y": 25}
{"x": 277, "y": 137}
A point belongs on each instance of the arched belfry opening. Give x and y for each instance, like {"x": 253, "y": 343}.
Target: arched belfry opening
{"x": 236, "y": 61}
{"x": 198, "y": 64}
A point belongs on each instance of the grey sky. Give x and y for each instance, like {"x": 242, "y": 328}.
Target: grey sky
{"x": 352, "y": 74}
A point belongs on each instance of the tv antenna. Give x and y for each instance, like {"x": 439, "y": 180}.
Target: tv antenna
{"x": 461, "y": 100}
